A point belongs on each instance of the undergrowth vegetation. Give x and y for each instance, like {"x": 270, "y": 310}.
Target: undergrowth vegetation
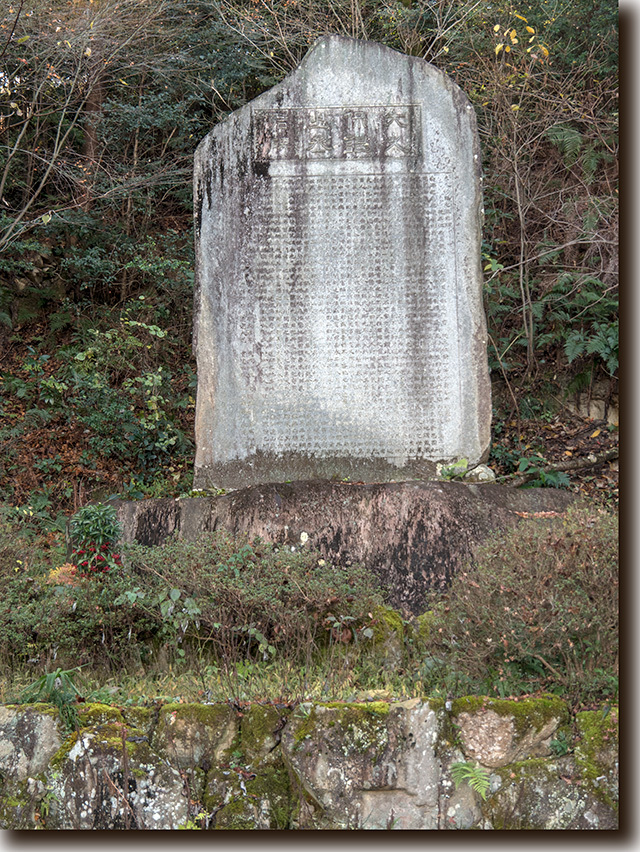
{"x": 232, "y": 618}
{"x": 539, "y": 608}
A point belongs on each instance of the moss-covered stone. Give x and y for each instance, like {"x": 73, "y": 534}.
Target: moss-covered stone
{"x": 235, "y": 817}
{"x": 15, "y": 807}
{"x": 527, "y": 713}
{"x": 387, "y": 621}
{"x": 304, "y": 728}
{"x": 187, "y": 734}
{"x": 596, "y": 752}
{"x": 141, "y": 718}
{"x": 419, "y": 630}
{"x": 39, "y": 707}
{"x": 333, "y": 751}
{"x": 543, "y": 794}
{"x": 363, "y": 725}
{"x": 260, "y": 730}
{"x": 99, "y": 714}
{"x": 205, "y": 714}
{"x": 250, "y": 788}
{"x": 388, "y": 636}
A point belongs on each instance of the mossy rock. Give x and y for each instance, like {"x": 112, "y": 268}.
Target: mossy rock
{"x": 38, "y": 707}
{"x": 359, "y": 727}
{"x": 190, "y": 735}
{"x": 260, "y": 728}
{"x": 542, "y": 794}
{"x": 141, "y": 718}
{"x": 597, "y": 750}
{"x": 263, "y": 801}
{"x": 387, "y": 622}
{"x": 527, "y": 713}
{"x": 236, "y": 816}
{"x": 420, "y": 629}
{"x": 250, "y": 788}
{"x": 18, "y": 806}
{"x": 99, "y": 714}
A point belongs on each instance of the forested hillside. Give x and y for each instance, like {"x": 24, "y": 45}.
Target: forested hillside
{"x": 102, "y": 103}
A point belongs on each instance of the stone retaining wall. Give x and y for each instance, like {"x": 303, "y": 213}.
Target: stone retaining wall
{"x": 370, "y": 765}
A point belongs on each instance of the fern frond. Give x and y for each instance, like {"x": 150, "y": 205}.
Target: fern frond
{"x": 575, "y": 345}
{"x": 476, "y": 776}
{"x": 567, "y": 140}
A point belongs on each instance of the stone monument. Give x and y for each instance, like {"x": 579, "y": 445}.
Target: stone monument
{"x": 339, "y": 327}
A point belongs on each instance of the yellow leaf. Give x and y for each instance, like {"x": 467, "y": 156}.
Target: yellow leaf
{"x": 514, "y": 41}
{"x": 521, "y": 18}
{"x": 499, "y": 48}
{"x": 120, "y": 80}
{"x": 530, "y": 30}
{"x": 595, "y": 434}
{"x": 531, "y": 39}
{"x": 87, "y": 52}
{"x": 544, "y": 50}
{"x": 515, "y": 107}
{"x": 496, "y": 28}
{"x": 507, "y": 49}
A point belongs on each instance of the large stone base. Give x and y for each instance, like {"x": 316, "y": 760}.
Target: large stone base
{"x": 413, "y": 535}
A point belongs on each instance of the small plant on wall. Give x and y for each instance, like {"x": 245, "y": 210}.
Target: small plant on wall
{"x": 476, "y": 776}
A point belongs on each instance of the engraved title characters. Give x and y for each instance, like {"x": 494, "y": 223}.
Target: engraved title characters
{"x": 331, "y": 133}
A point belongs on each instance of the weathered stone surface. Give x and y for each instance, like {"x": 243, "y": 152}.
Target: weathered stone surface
{"x": 252, "y": 788}
{"x": 335, "y": 765}
{"x": 28, "y": 740}
{"x": 192, "y": 733}
{"x": 459, "y": 806}
{"x": 547, "y": 795}
{"x": 496, "y": 733}
{"x": 596, "y": 753}
{"x": 366, "y": 766}
{"x": 339, "y": 324}
{"x": 87, "y": 788}
{"x": 413, "y": 535}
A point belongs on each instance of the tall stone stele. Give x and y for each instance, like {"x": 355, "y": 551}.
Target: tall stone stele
{"x": 339, "y": 327}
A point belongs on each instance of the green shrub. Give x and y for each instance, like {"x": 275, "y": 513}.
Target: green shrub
{"x": 251, "y": 595}
{"x": 95, "y": 529}
{"x": 217, "y": 600}
{"x": 538, "y": 610}
{"x": 43, "y": 622}
{"x": 96, "y": 523}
